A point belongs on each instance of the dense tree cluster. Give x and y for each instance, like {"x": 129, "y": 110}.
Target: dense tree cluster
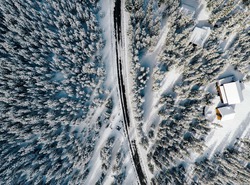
{"x": 41, "y": 153}
{"x": 51, "y": 84}
{"x": 182, "y": 127}
{"x": 106, "y": 153}
{"x": 174, "y": 175}
{"x": 230, "y": 167}
{"x": 144, "y": 26}
{"x": 118, "y": 168}
{"x": 50, "y": 61}
{"x": 51, "y": 78}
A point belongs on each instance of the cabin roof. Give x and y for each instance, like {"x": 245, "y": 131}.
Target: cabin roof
{"x": 188, "y": 10}
{"x": 231, "y": 93}
{"x": 200, "y": 35}
{"x": 227, "y": 112}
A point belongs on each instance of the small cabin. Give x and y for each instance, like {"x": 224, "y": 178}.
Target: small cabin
{"x": 225, "y": 113}
{"x": 200, "y": 36}
{"x": 231, "y": 93}
{"x": 187, "y": 10}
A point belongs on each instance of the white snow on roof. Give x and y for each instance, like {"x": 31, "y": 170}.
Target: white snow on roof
{"x": 227, "y": 113}
{"x": 188, "y": 10}
{"x": 221, "y": 137}
{"x": 200, "y": 35}
{"x": 223, "y": 94}
{"x": 201, "y": 12}
{"x": 231, "y": 93}
{"x": 226, "y": 80}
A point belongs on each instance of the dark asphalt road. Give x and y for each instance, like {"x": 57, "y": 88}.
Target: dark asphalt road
{"x": 118, "y": 36}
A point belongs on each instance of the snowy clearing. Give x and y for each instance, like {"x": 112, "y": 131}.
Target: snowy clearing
{"x": 221, "y": 137}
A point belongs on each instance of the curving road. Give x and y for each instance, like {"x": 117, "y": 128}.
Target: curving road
{"x": 132, "y": 147}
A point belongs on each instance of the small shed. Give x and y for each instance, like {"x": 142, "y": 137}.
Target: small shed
{"x": 231, "y": 93}
{"x": 200, "y": 35}
{"x": 188, "y": 10}
{"x": 225, "y": 113}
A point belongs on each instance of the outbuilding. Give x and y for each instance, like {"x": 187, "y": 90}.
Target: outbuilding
{"x": 200, "y": 36}
{"x": 225, "y": 113}
{"x": 188, "y": 10}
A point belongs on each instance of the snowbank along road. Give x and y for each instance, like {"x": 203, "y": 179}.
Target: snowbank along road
{"x": 119, "y": 44}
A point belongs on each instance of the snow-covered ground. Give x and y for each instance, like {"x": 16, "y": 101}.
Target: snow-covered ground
{"x": 219, "y": 137}
{"x": 230, "y": 130}
{"x": 152, "y": 98}
{"x": 151, "y": 105}
{"x": 225, "y": 43}
{"x": 128, "y": 85}
{"x": 215, "y": 140}
{"x": 149, "y": 60}
{"x": 162, "y": 38}
{"x": 116, "y": 118}
{"x": 64, "y": 78}
{"x": 201, "y": 13}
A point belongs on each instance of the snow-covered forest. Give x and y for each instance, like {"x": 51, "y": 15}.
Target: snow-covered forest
{"x": 169, "y": 114}
{"x": 57, "y": 102}
{"x": 61, "y": 115}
